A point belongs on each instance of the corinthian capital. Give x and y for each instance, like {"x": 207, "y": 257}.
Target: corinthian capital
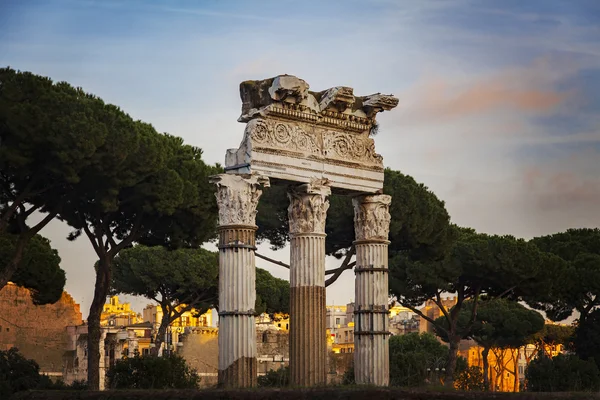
{"x": 308, "y": 207}
{"x": 237, "y": 197}
{"x": 372, "y": 217}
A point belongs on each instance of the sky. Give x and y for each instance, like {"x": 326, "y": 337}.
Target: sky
{"x": 499, "y": 100}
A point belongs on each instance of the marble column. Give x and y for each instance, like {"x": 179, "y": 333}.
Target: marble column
{"x": 237, "y": 198}
{"x": 308, "y": 343}
{"x": 371, "y": 319}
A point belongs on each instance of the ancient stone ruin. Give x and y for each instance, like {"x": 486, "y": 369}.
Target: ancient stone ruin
{"x": 316, "y": 143}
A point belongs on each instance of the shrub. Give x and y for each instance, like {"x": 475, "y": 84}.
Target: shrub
{"x": 562, "y": 373}
{"x": 275, "y": 378}
{"x": 415, "y": 359}
{"x": 470, "y": 379}
{"x": 151, "y": 372}
{"x": 17, "y": 374}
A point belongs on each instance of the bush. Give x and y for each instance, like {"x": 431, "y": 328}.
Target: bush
{"x": 275, "y": 378}
{"x": 562, "y": 374}
{"x": 17, "y": 374}
{"x": 415, "y": 359}
{"x": 348, "y": 378}
{"x": 151, "y": 372}
{"x": 470, "y": 379}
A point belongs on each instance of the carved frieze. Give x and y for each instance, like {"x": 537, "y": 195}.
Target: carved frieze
{"x": 372, "y": 217}
{"x": 308, "y": 207}
{"x": 325, "y": 144}
{"x": 281, "y": 135}
{"x": 346, "y": 146}
{"x": 237, "y": 198}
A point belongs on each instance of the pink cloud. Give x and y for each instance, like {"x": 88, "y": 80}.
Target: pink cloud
{"x": 435, "y": 99}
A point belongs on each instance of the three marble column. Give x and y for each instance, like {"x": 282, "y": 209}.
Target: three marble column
{"x": 237, "y": 198}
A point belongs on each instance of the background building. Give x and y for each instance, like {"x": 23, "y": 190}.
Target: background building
{"x": 39, "y": 332}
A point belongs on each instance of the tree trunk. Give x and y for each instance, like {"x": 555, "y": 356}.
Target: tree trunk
{"x": 9, "y": 270}
{"x": 486, "y": 368}
{"x": 451, "y": 363}
{"x": 162, "y": 329}
{"x": 516, "y": 365}
{"x": 94, "y": 331}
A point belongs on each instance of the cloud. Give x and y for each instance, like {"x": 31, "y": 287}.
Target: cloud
{"x": 435, "y": 100}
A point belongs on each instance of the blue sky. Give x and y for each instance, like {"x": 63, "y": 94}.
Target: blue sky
{"x": 499, "y": 100}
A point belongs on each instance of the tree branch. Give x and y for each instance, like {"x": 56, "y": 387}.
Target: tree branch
{"x": 438, "y": 302}
{"x": 474, "y": 310}
{"x": 272, "y": 260}
{"x": 16, "y": 203}
{"x": 92, "y": 238}
{"x": 132, "y": 235}
{"x": 31, "y": 210}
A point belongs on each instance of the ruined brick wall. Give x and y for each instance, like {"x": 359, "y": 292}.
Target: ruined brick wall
{"x": 272, "y": 349}
{"x": 201, "y": 352}
{"x": 39, "y": 332}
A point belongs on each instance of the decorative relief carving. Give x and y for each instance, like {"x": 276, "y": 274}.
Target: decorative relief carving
{"x": 279, "y": 135}
{"x": 329, "y": 144}
{"x": 237, "y": 198}
{"x": 355, "y": 147}
{"x": 308, "y": 207}
{"x": 372, "y": 217}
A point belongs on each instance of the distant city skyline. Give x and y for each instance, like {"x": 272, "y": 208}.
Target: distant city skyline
{"x": 498, "y": 110}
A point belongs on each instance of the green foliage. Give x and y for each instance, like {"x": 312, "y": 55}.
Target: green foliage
{"x": 170, "y": 277}
{"x": 275, "y": 378}
{"x": 563, "y": 373}
{"x": 137, "y": 186}
{"x": 39, "y": 270}
{"x": 553, "y": 335}
{"x": 587, "y": 338}
{"x": 272, "y": 294}
{"x": 178, "y": 280}
{"x": 499, "y": 323}
{"x": 149, "y": 372}
{"x": 420, "y": 223}
{"x": 577, "y": 283}
{"x": 476, "y": 264}
{"x": 470, "y": 379}
{"x": 49, "y": 132}
{"x": 17, "y": 374}
{"x": 416, "y": 358}
{"x": 348, "y": 377}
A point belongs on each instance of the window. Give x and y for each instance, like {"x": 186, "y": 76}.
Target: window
{"x": 287, "y": 326}
{"x": 337, "y": 321}
{"x": 146, "y": 352}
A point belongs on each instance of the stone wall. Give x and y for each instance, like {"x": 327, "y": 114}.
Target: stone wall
{"x": 201, "y": 351}
{"x": 39, "y": 332}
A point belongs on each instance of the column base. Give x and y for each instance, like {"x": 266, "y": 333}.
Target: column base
{"x": 308, "y": 342}
{"x": 240, "y": 374}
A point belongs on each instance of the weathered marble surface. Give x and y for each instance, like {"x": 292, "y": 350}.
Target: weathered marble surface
{"x": 294, "y": 134}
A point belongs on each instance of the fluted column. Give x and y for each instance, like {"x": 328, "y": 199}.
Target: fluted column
{"x": 308, "y": 343}
{"x": 371, "y": 320}
{"x": 237, "y": 198}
